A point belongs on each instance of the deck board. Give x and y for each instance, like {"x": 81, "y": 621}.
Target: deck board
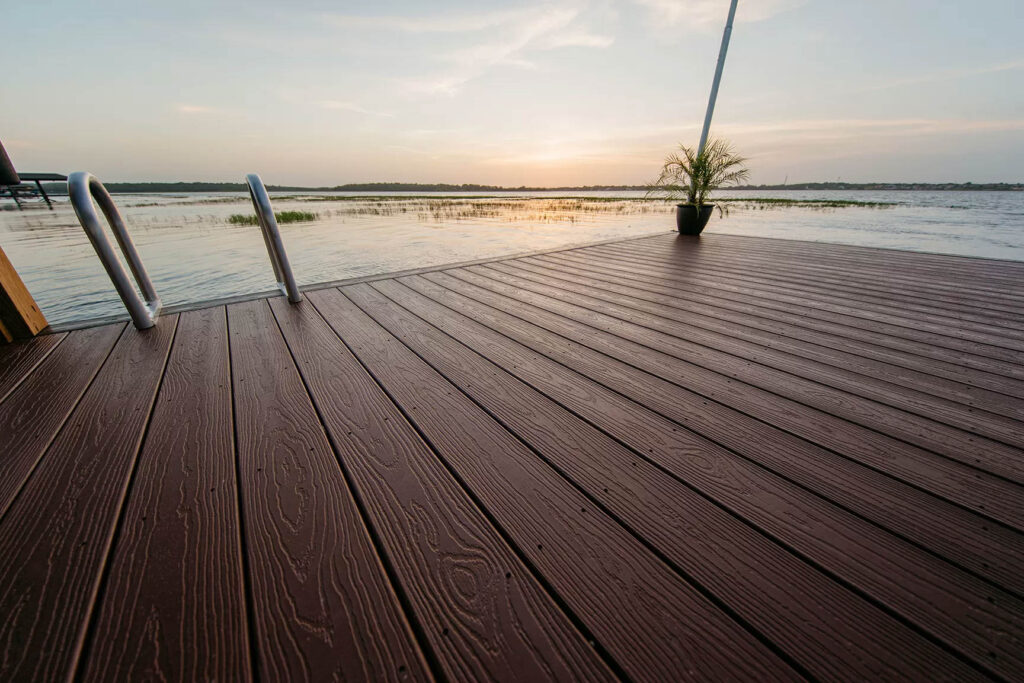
{"x": 959, "y": 366}
{"x": 833, "y": 369}
{"x": 969, "y": 539}
{"x": 454, "y": 567}
{"x": 656, "y": 458}
{"x": 785, "y": 339}
{"x": 840, "y": 542}
{"x": 174, "y": 607}
{"x": 18, "y": 361}
{"x": 929, "y": 373}
{"x": 323, "y": 606}
{"x": 849, "y": 288}
{"x": 36, "y": 411}
{"x": 984, "y": 454}
{"x": 980, "y": 333}
{"x": 937, "y": 335}
{"x": 751, "y": 576}
{"x": 654, "y": 625}
{"x": 55, "y": 538}
{"x": 1006, "y": 274}
{"x": 884, "y": 283}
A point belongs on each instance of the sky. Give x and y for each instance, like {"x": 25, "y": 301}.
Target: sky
{"x": 526, "y": 93}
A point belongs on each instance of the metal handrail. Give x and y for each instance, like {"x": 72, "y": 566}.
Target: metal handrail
{"x": 272, "y": 238}
{"x": 83, "y": 187}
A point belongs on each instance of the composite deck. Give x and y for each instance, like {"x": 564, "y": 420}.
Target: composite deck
{"x": 658, "y": 459}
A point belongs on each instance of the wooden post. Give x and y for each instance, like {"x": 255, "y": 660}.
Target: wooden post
{"x": 20, "y": 316}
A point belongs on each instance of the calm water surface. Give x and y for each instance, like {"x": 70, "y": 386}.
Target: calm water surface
{"x": 193, "y": 254}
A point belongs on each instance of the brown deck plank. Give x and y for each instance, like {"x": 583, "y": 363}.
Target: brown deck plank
{"x": 756, "y": 579}
{"x": 981, "y": 273}
{"x": 956, "y": 480}
{"x": 989, "y": 359}
{"x": 867, "y": 286}
{"x": 19, "y": 359}
{"x": 38, "y": 408}
{"x": 55, "y": 538}
{"x": 995, "y": 416}
{"x": 862, "y": 278}
{"x": 975, "y": 451}
{"x": 983, "y": 333}
{"x": 496, "y": 622}
{"x": 939, "y": 599}
{"x": 1000, "y": 328}
{"x": 655, "y": 626}
{"x": 946, "y": 337}
{"x": 947, "y": 264}
{"x": 987, "y": 549}
{"x": 939, "y": 377}
{"x": 666, "y": 457}
{"x": 174, "y": 606}
{"x": 323, "y": 606}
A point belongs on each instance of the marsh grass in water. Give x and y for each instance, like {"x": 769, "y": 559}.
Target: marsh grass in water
{"x": 554, "y": 209}
{"x": 282, "y": 217}
{"x": 537, "y": 210}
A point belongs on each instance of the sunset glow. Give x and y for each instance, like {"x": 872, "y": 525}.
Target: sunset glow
{"x": 554, "y": 93}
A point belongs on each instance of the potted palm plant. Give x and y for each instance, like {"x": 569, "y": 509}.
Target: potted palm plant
{"x": 693, "y": 177}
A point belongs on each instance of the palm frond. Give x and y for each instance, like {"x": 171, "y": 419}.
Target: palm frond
{"x": 695, "y": 176}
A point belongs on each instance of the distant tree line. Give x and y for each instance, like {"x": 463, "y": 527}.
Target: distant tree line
{"x": 986, "y": 187}
{"x": 183, "y": 187}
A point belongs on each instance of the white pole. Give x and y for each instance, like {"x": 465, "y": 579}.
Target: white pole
{"x": 718, "y": 78}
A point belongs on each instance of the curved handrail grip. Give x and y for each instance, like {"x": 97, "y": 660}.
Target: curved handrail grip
{"x": 272, "y": 238}
{"x": 83, "y": 187}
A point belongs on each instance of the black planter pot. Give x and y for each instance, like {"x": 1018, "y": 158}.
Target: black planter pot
{"x": 691, "y": 222}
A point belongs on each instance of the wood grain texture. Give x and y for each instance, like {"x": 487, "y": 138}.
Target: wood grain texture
{"x": 988, "y": 549}
{"x": 982, "y": 492}
{"x": 929, "y": 360}
{"x": 38, "y": 408}
{"x": 980, "y": 273}
{"x": 869, "y": 275}
{"x": 983, "y": 273}
{"x": 19, "y": 359}
{"x": 861, "y": 359}
{"x": 55, "y": 538}
{"x": 923, "y": 518}
{"x": 971, "y": 357}
{"x": 174, "y": 606}
{"x": 1006, "y": 340}
{"x": 861, "y": 279}
{"x": 656, "y": 626}
{"x": 932, "y": 594}
{"x": 482, "y": 613}
{"x": 773, "y": 273}
{"x": 660, "y": 459}
{"x": 944, "y": 337}
{"x": 974, "y": 451}
{"x": 756, "y": 579}
{"x": 323, "y": 606}
{"x": 833, "y": 369}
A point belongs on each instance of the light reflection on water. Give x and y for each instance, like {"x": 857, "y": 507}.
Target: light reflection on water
{"x": 193, "y": 254}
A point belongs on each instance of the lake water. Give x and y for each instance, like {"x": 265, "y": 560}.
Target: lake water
{"x": 194, "y": 254}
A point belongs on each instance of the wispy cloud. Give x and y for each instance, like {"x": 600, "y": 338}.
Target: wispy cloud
{"x": 705, "y": 13}
{"x": 194, "y": 109}
{"x": 441, "y": 23}
{"x": 820, "y": 129}
{"x": 945, "y": 75}
{"x": 351, "y": 106}
{"x": 492, "y": 39}
{"x": 643, "y": 145}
